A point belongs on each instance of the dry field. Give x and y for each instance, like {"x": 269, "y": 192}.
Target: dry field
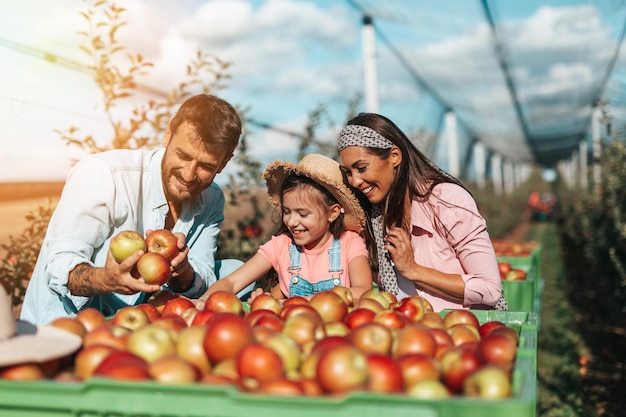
{"x": 19, "y": 199}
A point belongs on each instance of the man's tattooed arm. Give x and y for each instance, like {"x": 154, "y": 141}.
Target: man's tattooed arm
{"x": 81, "y": 281}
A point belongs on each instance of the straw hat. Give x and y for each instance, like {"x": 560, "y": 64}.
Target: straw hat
{"x": 325, "y": 171}
{"x": 22, "y": 342}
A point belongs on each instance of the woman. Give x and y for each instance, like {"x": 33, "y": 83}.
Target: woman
{"x": 429, "y": 237}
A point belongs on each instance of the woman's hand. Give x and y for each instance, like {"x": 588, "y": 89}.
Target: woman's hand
{"x": 398, "y": 244}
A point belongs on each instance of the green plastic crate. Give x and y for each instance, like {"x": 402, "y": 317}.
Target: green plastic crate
{"x": 104, "y": 398}
{"x": 520, "y": 295}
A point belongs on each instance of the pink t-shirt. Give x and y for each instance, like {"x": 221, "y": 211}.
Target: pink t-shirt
{"x": 314, "y": 263}
{"x": 466, "y": 250}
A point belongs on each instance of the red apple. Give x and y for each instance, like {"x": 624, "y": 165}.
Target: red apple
{"x": 257, "y": 363}
{"x": 123, "y": 365}
{"x": 202, "y": 317}
{"x": 227, "y": 368}
{"x": 295, "y": 309}
{"x": 391, "y": 298}
{"x": 288, "y": 350}
{"x": 413, "y": 338}
{"x": 336, "y": 328}
{"x": 308, "y": 366}
{"x": 107, "y": 334}
{"x": 418, "y": 367}
{"x": 428, "y": 389}
{"x": 70, "y": 324}
{"x": 504, "y": 267}
{"x": 456, "y": 316}
{"x": 177, "y": 305}
{"x": 507, "y": 331}
{"x": 311, "y": 386}
{"x": 89, "y": 358}
{"x": 151, "y": 310}
{"x": 345, "y": 293}
{"x": 498, "y": 349}
{"x": 443, "y": 339}
{"x": 173, "y": 323}
{"x": 214, "y": 379}
{"x": 255, "y": 315}
{"x": 342, "y": 369}
{"x": 369, "y": 304}
{"x": 164, "y": 242}
{"x": 391, "y": 319}
{"x": 130, "y": 317}
{"x": 154, "y": 268}
{"x": 227, "y": 334}
{"x": 127, "y": 243}
{"x": 23, "y": 372}
{"x": 282, "y": 387}
{"x": 304, "y": 328}
{"x": 189, "y": 315}
{"x": 489, "y": 382}
{"x": 330, "y": 305}
{"x": 372, "y": 337}
{"x": 516, "y": 274}
{"x": 261, "y": 333}
{"x": 151, "y": 342}
{"x": 376, "y": 295}
{"x": 91, "y": 318}
{"x": 457, "y": 363}
{"x": 173, "y": 370}
{"x": 432, "y": 320}
{"x": 485, "y": 328}
{"x": 224, "y": 301}
{"x": 413, "y": 307}
{"x": 190, "y": 347}
{"x": 297, "y": 299}
{"x": 265, "y": 301}
{"x": 384, "y": 374}
{"x": 358, "y": 316}
{"x": 462, "y": 333}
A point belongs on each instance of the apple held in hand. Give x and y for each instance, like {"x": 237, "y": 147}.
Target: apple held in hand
{"x": 164, "y": 242}
{"x": 127, "y": 243}
{"x": 154, "y": 268}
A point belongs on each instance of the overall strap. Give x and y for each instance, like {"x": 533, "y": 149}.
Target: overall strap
{"x": 294, "y": 258}
{"x": 334, "y": 258}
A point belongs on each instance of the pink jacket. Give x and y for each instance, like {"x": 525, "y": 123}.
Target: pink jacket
{"x": 466, "y": 250}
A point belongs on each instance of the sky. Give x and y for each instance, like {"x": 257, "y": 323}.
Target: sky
{"x": 287, "y": 57}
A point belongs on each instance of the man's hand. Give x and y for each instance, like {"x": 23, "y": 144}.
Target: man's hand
{"x": 182, "y": 271}
{"x": 87, "y": 281}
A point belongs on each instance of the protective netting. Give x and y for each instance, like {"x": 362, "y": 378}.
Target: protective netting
{"x": 522, "y": 77}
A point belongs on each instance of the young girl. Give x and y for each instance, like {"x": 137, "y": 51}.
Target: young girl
{"x": 319, "y": 244}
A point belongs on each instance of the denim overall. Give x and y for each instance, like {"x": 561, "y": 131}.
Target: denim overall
{"x": 302, "y": 287}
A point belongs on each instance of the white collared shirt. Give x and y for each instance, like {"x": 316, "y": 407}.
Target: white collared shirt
{"x": 104, "y": 194}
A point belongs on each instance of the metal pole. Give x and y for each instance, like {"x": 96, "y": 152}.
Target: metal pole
{"x": 369, "y": 65}
{"x": 479, "y": 161}
{"x": 453, "y": 144}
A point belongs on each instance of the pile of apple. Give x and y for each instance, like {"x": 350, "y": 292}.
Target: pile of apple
{"x": 160, "y": 247}
{"x": 331, "y": 344}
{"x": 513, "y": 248}
{"x": 509, "y": 273}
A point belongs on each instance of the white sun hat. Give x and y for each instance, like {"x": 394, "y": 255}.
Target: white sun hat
{"x": 23, "y": 342}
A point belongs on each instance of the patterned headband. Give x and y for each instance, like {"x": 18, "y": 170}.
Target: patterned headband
{"x": 357, "y": 135}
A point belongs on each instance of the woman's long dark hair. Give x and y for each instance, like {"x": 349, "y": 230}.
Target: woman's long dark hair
{"x": 416, "y": 175}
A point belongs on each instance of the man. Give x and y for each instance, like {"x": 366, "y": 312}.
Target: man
{"x": 141, "y": 190}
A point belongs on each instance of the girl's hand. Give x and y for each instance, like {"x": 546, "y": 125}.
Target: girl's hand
{"x": 398, "y": 244}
